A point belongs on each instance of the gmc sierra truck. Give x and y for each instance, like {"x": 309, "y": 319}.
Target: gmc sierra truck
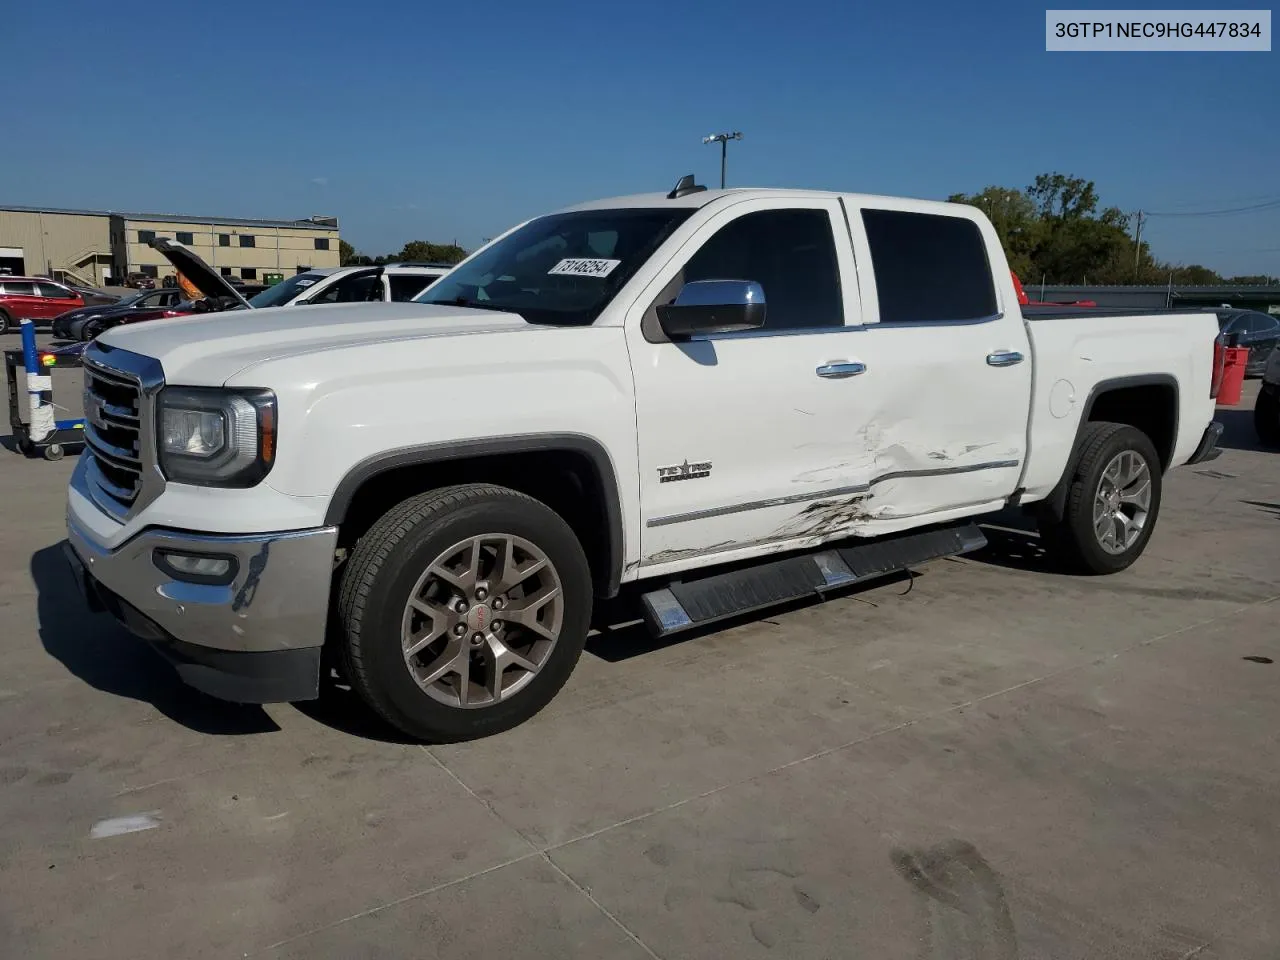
{"x": 716, "y": 400}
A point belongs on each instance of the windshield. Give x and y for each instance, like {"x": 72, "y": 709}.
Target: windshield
{"x": 562, "y": 269}
{"x": 285, "y": 290}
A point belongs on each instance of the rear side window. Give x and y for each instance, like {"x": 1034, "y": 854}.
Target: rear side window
{"x": 790, "y": 253}
{"x": 928, "y": 267}
{"x": 20, "y": 288}
{"x": 405, "y": 286}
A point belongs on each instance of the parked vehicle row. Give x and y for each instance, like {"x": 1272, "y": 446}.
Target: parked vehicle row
{"x": 1266, "y": 410}
{"x": 85, "y": 323}
{"x": 1257, "y": 331}
{"x": 34, "y": 298}
{"x": 393, "y": 282}
{"x": 719, "y": 400}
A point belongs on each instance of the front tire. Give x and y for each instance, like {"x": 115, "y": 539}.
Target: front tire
{"x": 1266, "y": 417}
{"x": 1112, "y": 503}
{"x": 464, "y": 610}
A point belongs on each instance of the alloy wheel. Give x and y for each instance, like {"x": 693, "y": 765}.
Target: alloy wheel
{"x": 482, "y": 620}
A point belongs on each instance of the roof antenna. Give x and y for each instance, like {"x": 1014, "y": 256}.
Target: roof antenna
{"x": 684, "y": 186}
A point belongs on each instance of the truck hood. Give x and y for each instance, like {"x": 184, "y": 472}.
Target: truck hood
{"x": 209, "y": 349}
{"x": 188, "y": 263}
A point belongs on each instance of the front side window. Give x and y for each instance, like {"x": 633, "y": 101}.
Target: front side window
{"x": 284, "y": 291}
{"x": 55, "y": 292}
{"x": 357, "y": 288}
{"x": 563, "y": 269}
{"x": 929, "y": 268}
{"x": 790, "y": 253}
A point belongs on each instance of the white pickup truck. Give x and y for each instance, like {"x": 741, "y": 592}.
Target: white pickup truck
{"x": 717, "y": 400}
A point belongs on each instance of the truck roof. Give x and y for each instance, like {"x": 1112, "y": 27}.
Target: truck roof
{"x": 703, "y": 197}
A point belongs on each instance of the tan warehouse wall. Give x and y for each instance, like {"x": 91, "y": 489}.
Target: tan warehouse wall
{"x": 58, "y": 241}
{"x": 274, "y": 250}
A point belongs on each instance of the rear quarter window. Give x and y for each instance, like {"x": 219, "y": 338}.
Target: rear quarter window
{"x": 929, "y": 268}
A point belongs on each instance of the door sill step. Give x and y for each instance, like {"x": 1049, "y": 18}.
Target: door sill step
{"x": 683, "y": 605}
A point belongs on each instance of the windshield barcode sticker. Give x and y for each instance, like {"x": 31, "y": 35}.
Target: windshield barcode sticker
{"x": 583, "y": 268}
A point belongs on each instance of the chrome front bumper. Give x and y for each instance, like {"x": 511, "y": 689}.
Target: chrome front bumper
{"x": 278, "y": 599}
{"x": 256, "y": 639}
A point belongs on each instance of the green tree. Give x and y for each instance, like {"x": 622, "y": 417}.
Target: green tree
{"x": 1013, "y": 214}
{"x": 1255, "y": 280}
{"x": 346, "y": 252}
{"x": 1060, "y": 197}
{"x": 425, "y": 251}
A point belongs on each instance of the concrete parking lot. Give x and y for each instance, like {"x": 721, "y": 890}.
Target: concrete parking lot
{"x": 987, "y": 760}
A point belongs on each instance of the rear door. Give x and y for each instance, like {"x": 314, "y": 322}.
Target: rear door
{"x": 23, "y": 301}
{"x": 947, "y": 385}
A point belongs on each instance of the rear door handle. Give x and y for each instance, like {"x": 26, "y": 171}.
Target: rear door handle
{"x": 1004, "y": 358}
{"x": 840, "y": 369}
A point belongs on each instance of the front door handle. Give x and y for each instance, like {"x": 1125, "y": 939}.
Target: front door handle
{"x": 840, "y": 369}
{"x": 1004, "y": 358}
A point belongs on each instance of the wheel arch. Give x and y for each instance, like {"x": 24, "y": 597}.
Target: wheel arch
{"x": 1148, "y": 402}
{"x": 534, "y": 464}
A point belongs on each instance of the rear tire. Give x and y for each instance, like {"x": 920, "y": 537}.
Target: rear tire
{"x": 4, "y": 322}
{"x": 1266, "y": 417}
{"x": 504, "y": 559}
{"x": 1112, "y": 503}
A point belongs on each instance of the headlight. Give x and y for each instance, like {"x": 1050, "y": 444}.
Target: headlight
{"x": 216, "y": 438}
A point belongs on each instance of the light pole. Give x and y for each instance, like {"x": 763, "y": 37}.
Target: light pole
{"x": 723, "y": 139}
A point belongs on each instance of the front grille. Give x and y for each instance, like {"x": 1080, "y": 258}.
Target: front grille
{"x": 113, "y": 436}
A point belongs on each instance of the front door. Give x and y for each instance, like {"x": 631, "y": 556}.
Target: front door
{"x": 740, "y": 435}
{"x": 55, "y": 300}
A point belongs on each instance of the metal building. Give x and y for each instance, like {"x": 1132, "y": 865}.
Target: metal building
{"x": 92, "y": 246}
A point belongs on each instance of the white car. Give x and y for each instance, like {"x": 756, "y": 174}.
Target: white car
{"x": 720, "y": 400}
{"x": 393, "y": 282}
{"x": 390, "y": 282}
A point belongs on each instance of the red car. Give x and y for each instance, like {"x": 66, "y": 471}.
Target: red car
{"x": 33, "y": 298}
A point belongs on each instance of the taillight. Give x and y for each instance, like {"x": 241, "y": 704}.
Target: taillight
{"x": 1219, "y": 367}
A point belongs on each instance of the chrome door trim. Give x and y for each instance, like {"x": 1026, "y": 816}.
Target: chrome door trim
{"x": 825, "y": 494}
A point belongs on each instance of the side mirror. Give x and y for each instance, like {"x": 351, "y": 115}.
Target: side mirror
{"x": 713, "y": 306}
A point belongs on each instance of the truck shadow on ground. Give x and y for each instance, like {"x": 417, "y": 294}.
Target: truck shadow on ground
{"x": 1238, "y": 432}
{"x": 341, "y": 708}
{"x": 93, "y": 647}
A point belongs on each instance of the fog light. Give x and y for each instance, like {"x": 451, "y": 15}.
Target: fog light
{"x": 197, "y": 567}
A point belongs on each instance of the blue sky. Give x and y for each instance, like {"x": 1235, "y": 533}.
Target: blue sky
{"x": 442, "y": 121}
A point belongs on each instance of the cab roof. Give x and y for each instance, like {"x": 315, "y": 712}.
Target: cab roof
{"x": 703, "y": 197}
